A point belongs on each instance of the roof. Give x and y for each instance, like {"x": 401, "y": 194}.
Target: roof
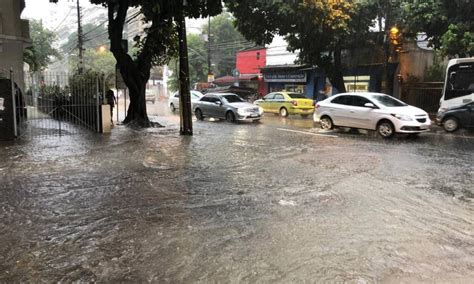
{"x": 224, "y": 79}
{"x": 231, "y": 79}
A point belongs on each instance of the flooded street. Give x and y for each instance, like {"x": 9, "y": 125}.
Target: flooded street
{"x": 275, "y": 201}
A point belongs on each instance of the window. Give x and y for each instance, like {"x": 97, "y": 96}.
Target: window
{"x": 213, "y": 99}
{"x": 176, "y": 94}
{"x": 232, "y": 99}
{"x": 388, "y": 101}
{"x": 358, "y": 83}
{"x": 279, "y": 97}
{"x": 269, "y": 96}
{"x": 296, "y": 96}
{"x": 206, "y": 99}
{"x": 359, "y": 101}
{"x": 258, "y": 55}
{"x": 342, "y": 100}
{"x": 460, "y": 81}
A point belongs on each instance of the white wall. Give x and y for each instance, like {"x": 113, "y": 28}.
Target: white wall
{"x": 277, "y": 54}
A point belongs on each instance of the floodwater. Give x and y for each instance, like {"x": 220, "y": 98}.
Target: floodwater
{"x": 276, "y": 201}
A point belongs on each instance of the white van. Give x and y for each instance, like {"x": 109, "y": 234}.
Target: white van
{"x": 459, "y": 84}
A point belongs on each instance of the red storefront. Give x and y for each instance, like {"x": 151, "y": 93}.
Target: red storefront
{"x": 248, "y": 64}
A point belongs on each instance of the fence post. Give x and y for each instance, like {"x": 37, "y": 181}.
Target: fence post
{"x": 15, "y": 126}
{"x": 98, "y": 106}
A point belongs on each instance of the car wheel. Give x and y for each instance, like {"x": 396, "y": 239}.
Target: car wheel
{"x": 304, "y": 115}
{"x": 450, "y": 124}
{"x": 229, "y": 116}
{"x": 385, "y": 129}
{"x": 198, "y": 114}
{"x": 172, "y": 108}
{"x": 326, "y": 123}
{"x": 283, "y": 112}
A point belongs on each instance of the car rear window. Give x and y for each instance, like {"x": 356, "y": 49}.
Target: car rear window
{"x": 232, "y": 98}
{"x": 296, "y": 96}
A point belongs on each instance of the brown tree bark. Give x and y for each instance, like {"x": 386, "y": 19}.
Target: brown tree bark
{"x": 336, "y": 76}
{"x": 135, "y": 73}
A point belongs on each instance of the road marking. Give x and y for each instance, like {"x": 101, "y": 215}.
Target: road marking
{"x": 308, "y": 133}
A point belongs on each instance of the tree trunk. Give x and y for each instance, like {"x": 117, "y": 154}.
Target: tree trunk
{"x": 136, "y": 83}
{"x": 135, "y": 74}
{"x": 337, "y": 77}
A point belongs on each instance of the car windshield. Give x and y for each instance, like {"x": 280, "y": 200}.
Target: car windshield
{"x": 232, "y": 99}
{"x": 387, "y": 101}
{"x": 296, "y": 96}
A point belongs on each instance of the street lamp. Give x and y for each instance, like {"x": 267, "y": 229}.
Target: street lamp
{"x": 102, "y": 49}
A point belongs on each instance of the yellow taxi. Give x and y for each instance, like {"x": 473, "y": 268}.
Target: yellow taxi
{"x": 286, "y": 103}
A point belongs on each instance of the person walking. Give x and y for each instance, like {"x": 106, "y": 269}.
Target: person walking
{"x": 111, "y": 100}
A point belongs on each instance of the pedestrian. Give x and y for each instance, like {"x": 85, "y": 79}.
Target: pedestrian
{"x": 111, "y": 100}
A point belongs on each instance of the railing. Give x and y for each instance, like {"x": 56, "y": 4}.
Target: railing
{"x": 425, "y": 95}
{"x": 56, "y": 104}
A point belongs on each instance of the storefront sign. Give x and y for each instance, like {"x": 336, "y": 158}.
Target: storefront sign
{"x": 287, "y": 76}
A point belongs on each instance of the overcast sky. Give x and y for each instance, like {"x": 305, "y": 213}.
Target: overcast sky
{"x": 40, "y": 10}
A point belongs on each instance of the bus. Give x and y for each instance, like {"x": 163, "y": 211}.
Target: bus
{"x": 459, "y": 84}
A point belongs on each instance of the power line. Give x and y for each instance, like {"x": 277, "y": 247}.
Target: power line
{"x": 62, "y": 22}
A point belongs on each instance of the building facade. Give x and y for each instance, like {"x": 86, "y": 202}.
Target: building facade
{"x": 14, "y": 38}
{"x": 249, "y": 63}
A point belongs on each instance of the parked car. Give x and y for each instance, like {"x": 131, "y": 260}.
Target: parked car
{"x": 226, "y": 105}
{"x": 150, "y": 96}
{"x": 372, "y": 111}
{"x": 173, "y": 100}
{"x": 454, "y": 118}
{"x": 248, "y": 94}
{"x": 286, "y": 103}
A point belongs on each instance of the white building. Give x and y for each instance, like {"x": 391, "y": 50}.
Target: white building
{"x": 14, "y": 38}
{"x": 277, "y": 53}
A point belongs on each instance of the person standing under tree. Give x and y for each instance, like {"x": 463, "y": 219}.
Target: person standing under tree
{"x": 111, "y": 100}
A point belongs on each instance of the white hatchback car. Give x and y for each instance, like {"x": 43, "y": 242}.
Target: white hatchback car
{"x": 173, "y": 101}
{"x": 372, "y": 111}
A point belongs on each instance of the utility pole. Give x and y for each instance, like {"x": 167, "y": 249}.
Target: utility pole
{"x": 209, "y": 47}
{"x": 80, "y": 39}
{"x": 186, "y": 123}
{"x": 210, "y": 76}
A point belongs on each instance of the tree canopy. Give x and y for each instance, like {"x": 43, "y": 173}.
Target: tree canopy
{"x": 156, "y": 47}
{"x": 41, "y": 53}
{"x": 225, "y": 39}
{"x": 448, "y": 24}
{"x": 319, "y": 29}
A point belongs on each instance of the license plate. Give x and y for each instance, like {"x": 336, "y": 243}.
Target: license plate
{"x": 254, "y": 115}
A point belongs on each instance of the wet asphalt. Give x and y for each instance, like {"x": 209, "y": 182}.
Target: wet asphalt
{"x": 275, "y": 201}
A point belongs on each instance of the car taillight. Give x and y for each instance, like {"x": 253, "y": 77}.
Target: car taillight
{"x": 295, "y": 103}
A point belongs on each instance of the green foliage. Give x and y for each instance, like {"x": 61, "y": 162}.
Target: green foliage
{"x": 319, "y": 29}
{"x": 226, "y": 40}
{"x": 97, "y": 61}
{"x": 437, "y": 71}
{"x": 447, "y": 23}
{"x": 41, "y": 53}
{"x": 197, "y": 57}
{"x": 173, "y": 81}
{"x": 94, "y": 36}
{"x": 159, "y": 44}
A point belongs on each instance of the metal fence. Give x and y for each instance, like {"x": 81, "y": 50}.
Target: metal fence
{"x": 56, "y": 104}
{"x": 425, "y": 95}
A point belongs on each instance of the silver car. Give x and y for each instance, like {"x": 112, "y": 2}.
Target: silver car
{"x": 226, "y": 105}
{"x": 173, "y": 101}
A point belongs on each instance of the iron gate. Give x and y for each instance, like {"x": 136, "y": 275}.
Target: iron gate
{"x": 57, "y": 104}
